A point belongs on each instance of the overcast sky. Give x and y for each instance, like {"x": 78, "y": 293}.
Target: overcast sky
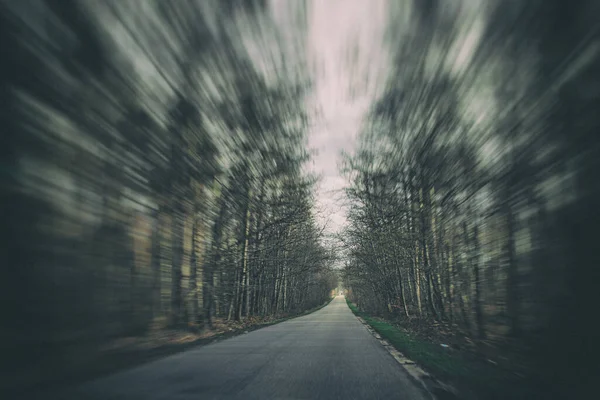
{"x": 350, "y": 62}
{"x": 345, "y": 47}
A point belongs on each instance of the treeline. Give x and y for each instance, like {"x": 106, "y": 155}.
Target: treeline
{"x": 152, "y": 172}
{"x": 473, "y": 190}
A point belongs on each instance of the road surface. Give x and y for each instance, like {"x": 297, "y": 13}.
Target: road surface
{"x": 324, "y": 355}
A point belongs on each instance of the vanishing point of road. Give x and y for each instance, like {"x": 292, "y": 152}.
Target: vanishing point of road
{"x": 324, "y": 355}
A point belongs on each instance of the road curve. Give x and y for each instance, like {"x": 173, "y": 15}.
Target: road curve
{"x": 324, "y": 355}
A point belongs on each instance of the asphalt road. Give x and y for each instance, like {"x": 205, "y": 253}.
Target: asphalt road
{"x": 324, "y": 355}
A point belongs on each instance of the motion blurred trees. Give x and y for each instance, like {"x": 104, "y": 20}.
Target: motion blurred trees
{"x": 153, "y": 173}
{"x": 471, "y": 196}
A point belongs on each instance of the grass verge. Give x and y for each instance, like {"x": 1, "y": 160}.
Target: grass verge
{"x": 474, "y": 378}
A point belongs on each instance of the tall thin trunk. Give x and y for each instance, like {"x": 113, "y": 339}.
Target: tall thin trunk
{"x": 401, "y": 289}
{"x": 134, "y": 320}
{"x": 177, "y": 260}
{"x": 418, "y": 281}
{"x": 193, "y": 281}
{"x": 233, "y": 297}
{"x": 449, "y": 282}
{"x": 407, "y": 216}
{"x": 243, "y": 290}
{"x": 253, "y": 277}
{"x": 284, "y": 294}
{"x": 462, "y": 293}
{"x": 415, "y": 257}
{"x": 425, "y": 252}
{"x": 512, "y": 289}
{"x": 211, "y": 300}
{"x": 217, "y": 279}
{"x": 477, "y": 301}
{"x": 473, "y": 249}
{"x": 155, "y": 262}
{"x": 277, "y": 290}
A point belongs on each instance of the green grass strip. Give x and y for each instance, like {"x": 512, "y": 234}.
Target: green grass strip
{"x": 477, "y": 377}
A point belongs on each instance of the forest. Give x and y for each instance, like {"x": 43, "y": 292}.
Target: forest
{"x": 153, "y": 176}
{"x": 474, "y": 184}
{"x": 154, "y": 164}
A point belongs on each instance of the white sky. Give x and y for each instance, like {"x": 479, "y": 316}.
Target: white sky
{"x": 346, "y": 51}
{"x": 349, "y": 63}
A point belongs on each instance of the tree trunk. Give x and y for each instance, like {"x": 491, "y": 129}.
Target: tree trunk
{"x": 243, "y": 290}
{"x": 177, "y": 259}
{"x": 478, "y": 303}
{"x": 155, "y": 262}
{"x": 401, "y": 288}
{"x": 512, "y": 289}
{"x": 418, "y": 281}
{"x": 415, "y": 258}
{"x": 449, "y": 282}
{"x": 193, "y": 285}
{"x": 210, "y": 294}
{"x": 233, "y": 297}
{"x": 253, "y": 282}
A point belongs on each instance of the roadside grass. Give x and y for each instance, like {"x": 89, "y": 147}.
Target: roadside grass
{"x": 474, "y": 378}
